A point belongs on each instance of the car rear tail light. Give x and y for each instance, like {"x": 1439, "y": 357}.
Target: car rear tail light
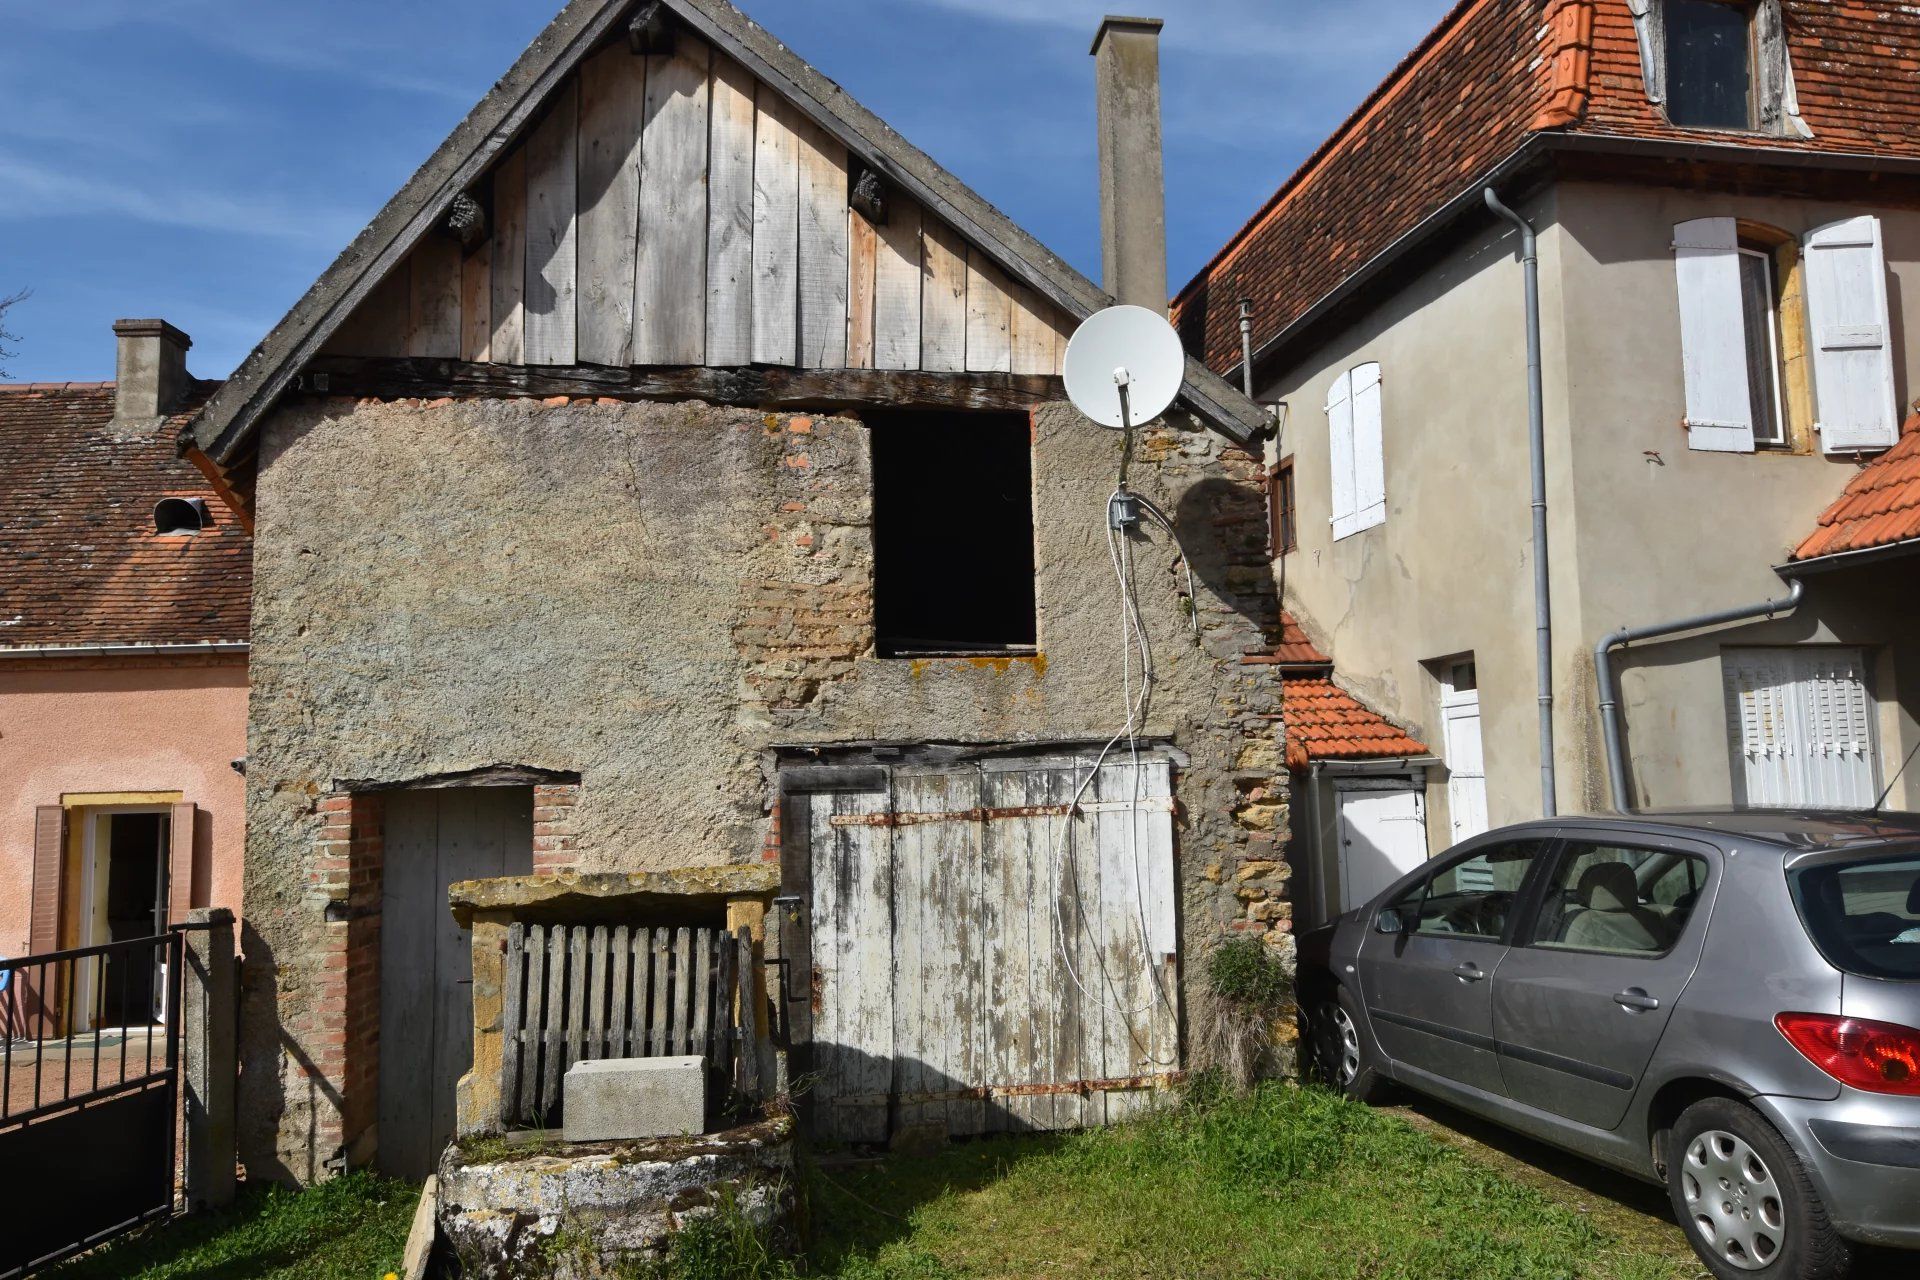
{"x": 1879, "y": 1057}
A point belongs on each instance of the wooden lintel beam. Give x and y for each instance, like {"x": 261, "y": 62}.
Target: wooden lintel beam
{"x": 756, "y": 387}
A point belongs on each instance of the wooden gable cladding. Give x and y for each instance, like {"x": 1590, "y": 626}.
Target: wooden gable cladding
{"x": 671, "y": 210}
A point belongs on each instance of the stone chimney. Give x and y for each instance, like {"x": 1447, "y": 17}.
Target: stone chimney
{"x": 1133, "y": 186}
{"x": 152, "y": 370}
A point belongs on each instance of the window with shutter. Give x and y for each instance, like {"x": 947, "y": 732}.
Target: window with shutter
{"x": 1713, "y": 341}
{"x": 1801, "y": 727}
{"x": 1340, "y": 451}
{"x": 1369, "y": 451}
{"x": 1852, "y": 337}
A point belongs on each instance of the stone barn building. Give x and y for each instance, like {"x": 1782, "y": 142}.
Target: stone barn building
{"x": 677, "y": 474}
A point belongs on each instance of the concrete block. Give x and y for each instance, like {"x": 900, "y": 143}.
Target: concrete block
{"x": 622, "y": 1099}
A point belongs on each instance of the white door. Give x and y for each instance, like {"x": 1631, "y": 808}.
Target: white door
{"x": 1383, "y": 835}
{"x": 1800, "y": 723}
{"x": 1466, "y": 763}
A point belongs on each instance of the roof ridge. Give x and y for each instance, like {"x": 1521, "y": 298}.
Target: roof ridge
{"x": 57, "y": 386}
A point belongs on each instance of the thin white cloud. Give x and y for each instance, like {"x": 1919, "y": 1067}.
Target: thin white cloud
{"x": 32, "y": 190}
{"x": 1294, "y": 31}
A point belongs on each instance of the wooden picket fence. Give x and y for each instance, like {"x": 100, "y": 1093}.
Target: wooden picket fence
{"x": 581, "y": 992}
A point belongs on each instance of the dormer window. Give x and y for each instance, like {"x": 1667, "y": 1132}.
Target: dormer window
{"x": 180, "y": 517}
{"x": 1710, "y": 64}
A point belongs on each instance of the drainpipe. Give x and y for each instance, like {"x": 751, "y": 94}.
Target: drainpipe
{"x": 1537, "y": 448}
{"x": 1246, "y": 346}
{"x": 1603, "y": 671}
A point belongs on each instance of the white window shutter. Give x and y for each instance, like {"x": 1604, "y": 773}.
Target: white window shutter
{"x": 1340, "y": 451}
{"x": 1852, "y": 340}
{"x": 1369, "y": 453}
{"x": 1713, "y": 345}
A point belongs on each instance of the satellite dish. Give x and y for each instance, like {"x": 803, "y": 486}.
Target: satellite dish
{"x": 1128, "y": 346}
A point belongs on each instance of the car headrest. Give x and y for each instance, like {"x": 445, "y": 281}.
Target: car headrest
{"x": 1609, "y": 886}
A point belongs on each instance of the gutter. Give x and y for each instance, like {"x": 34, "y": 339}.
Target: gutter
{"x": 1603, "y": 671}
{"x": 124, "y": 650}
{"x": 1848, "y": 559}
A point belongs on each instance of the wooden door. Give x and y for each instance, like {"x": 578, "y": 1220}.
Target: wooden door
{"x": 987, "y": 961}
{"x": 1383, "y": 836}
{"x": 434, "y": 838}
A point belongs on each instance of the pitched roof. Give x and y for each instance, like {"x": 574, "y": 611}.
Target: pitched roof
{"x": 1496, "y": 82}
{"x": 1880, "y": 507}
{"x": 80, "y": 563}
{"x": 225, "y": 425}
{"x": 1325, "y": 722}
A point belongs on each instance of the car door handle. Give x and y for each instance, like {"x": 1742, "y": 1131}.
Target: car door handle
{"x": 1469, "y": 972}
{"x": 1636, "y": 999}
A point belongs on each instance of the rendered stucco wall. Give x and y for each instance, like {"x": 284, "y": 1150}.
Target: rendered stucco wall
{"x": 653, "y": 596}
{"x": 93, "y": 726}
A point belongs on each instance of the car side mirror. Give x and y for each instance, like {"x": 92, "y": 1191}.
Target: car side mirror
{"x": 1390, "y": 921}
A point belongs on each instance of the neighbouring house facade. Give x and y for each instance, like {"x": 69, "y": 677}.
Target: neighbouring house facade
{"x": 124, "y": 598}
{"x": 1727, "y": 203}
{"x": 677, "y": 474}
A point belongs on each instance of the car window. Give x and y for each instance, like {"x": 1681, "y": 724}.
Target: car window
{"x": 1472, "y": 897}
{"x": 1618, "y": 899}
{"x": 1865, "y": 915}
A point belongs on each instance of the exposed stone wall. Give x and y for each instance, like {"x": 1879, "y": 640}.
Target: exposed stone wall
{"x": 652, "y": 596}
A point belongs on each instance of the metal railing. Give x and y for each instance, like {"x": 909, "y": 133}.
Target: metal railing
{"x": 87, "y": 1024}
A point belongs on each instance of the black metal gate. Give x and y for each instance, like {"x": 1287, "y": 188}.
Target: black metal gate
{"x": 89, "y": 1095}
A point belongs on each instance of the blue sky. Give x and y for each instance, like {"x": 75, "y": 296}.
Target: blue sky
{"x": 204, "y": 160}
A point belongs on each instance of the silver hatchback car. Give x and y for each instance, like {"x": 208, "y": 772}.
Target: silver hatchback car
{"x": 1725, "y": 1002}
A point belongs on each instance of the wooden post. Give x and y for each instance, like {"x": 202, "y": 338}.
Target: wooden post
{"x": 209, "y": 1011}
{"x": 480, "y": 1105}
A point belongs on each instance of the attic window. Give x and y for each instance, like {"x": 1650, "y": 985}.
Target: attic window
{"x": 952, "y": 534}
{"x": 1710, "y": 64}
{"x": 180, "y": 517}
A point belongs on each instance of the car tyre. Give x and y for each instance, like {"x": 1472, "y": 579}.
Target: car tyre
{"x": 1745, "y": 1201}
{"x": 1343, "y": 1060}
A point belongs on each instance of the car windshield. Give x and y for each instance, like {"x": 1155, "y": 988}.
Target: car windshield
{"x": 1865, "y": 915}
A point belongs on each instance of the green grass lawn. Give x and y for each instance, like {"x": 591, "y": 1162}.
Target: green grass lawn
{"x": 351, "y": 1228}
{"x": 1287, "y": 1182}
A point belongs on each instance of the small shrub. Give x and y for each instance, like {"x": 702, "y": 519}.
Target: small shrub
{"x": 723, "y": 1245}
{"x": 1245, "y": 972}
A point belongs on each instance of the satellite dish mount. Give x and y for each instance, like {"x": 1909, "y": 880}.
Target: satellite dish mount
{"x": 1124, "y": 366}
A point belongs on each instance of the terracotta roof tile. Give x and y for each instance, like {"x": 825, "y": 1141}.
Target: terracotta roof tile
{"x": 80, "y": 562}
{"x": 1881, "y": 506}
{"x": 1325, "y": 722}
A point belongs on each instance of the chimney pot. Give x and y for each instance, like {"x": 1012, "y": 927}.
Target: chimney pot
{"x": 151, "y": 370}
{"x": 1133, "y": 187}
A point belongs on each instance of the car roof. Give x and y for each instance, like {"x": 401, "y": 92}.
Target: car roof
{"x": 1792, "y": 830}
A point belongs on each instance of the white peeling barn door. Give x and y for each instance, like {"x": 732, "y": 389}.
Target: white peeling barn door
{"x": 985, "y": 961}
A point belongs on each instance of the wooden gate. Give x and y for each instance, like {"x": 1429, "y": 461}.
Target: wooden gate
{"x": 984, "y": 959}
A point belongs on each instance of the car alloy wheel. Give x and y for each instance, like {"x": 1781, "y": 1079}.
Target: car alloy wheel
{"x": 1733, "y": 1202}
{"x": 1344, "y": 1048}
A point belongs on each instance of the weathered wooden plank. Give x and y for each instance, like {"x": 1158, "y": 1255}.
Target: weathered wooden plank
{"x": 1077, "y": 893}
{"x": 1033, "y": 334}
{"x": 552, "y": 222}
{"x": 509, "y": 249}
{"x": 657, "y": 1025}
{"x": 512, "y": 1020}
{"x": 725, "y": 1041}
{"x": 747, "y": 1061}
{"x": 776, "y": 231}
{"x": 896, "y": 289}
{"x": 599, "y": 991}
{"x": 620, "y": 990}
{"x": 576, "y": 994}
{"x": 1124, "y": 981}
{"x": 854, "y": 946}
{"x": 378, "y": 327}
{"x": 769, "y": 388}
{"x": 1015, "y": 1009}
{"x": 553, "y": 1053}
{"x": 476, "y": 303}
{"x": 642, "y": 946}
{"x": 612, "y": 92}
{"x": 730, "y": 214}
{"x": 702, "y": 979}
{"x": 823, "y": 248}
{"x": 670, "y": 283}
{"x": 682, "y": 990}
{"x": 943, "y": 297}
{"x": 989, "y": 316}
{"x": 863, "y": 256}
{"x": 532, "y": 1016}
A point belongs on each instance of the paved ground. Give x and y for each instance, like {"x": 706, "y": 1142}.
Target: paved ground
{"x": 63, "y": 1074}
{"x": 1634, "y": 1211}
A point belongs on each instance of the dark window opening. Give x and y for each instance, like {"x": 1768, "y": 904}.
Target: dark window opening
{"x": 1760, "y": 301}
{"x": 1283, "y": 536}
{"x": 1709, "y": 64}
{"x": 952, "y": 534}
